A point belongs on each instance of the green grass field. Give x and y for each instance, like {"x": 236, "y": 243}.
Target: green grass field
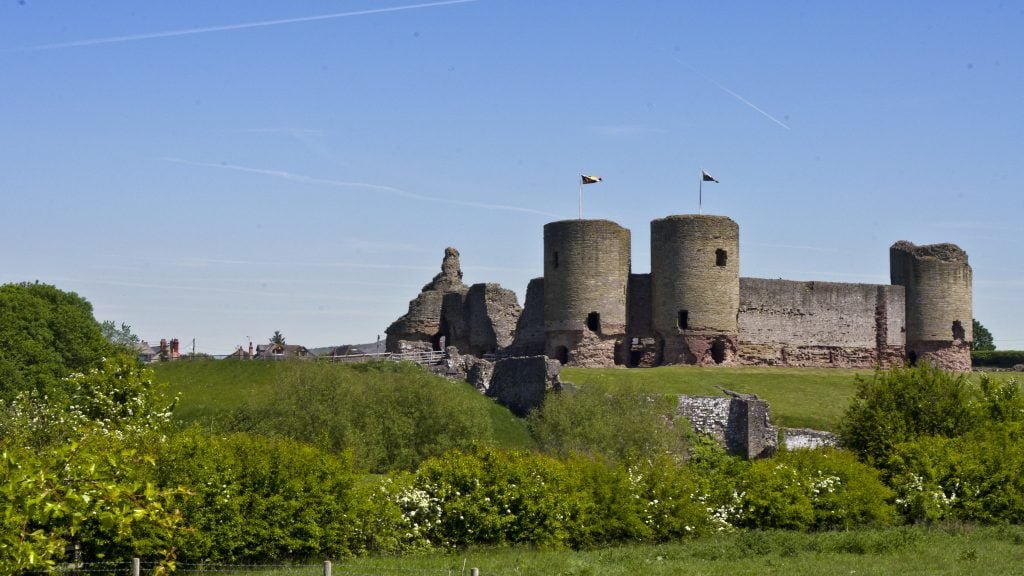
{"x": 799, "y": 397}
{"x": 905, "y": 551}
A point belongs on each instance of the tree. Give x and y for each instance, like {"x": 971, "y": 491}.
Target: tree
{"x": 982, "y": 337}
{"x": 277, "y": 338}
{"x": 904, "y": 404}
{"x": 122, "y": 336}
{"x": 45, "y": 334}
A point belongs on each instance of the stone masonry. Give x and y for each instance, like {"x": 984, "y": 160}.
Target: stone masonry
{"x": 590, "y": 309}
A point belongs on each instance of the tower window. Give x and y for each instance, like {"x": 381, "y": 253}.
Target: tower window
{"x": 958, "y": 330}
{"x": 684, "y": 320}
{"x": 554, "y": 260}
{"x": 721, "y": 257}
{"x": 594, "y": 322}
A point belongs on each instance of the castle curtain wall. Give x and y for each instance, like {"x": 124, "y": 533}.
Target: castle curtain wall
{"x": 828, "y": 324}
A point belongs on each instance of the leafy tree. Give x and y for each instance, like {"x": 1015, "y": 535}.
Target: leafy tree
{"x": 45, "y": 334}
{"x": 903, "y": 404}
{"x": 277, "y": 338}
{"x": 982, "y": 337}
{"x": 122, "y": 336}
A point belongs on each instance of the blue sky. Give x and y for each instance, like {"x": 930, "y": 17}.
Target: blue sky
{"x": 221, "y": 170}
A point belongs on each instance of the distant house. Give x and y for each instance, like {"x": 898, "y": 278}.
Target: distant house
{"x": 146, "y": 353}
{"x": 238, "y": 354}
{"x": 344, "y": 350}
{"x": 282, "y": 352}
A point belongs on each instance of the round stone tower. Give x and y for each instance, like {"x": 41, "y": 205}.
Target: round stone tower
{"x": 586, "y": 270}
{"x": 938, "y": 282}
{"x": 695, "y": 288}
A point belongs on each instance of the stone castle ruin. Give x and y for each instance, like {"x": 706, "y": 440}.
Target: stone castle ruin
{"x": 590, "y": 309}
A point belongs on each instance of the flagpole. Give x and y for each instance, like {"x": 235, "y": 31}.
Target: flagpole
{"x": 700, "y": 194}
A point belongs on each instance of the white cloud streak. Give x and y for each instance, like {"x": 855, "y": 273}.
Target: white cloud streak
{"x": 366, "y": 185}
{"x": 733, "y": 94}
{"x": 230, "y": 27}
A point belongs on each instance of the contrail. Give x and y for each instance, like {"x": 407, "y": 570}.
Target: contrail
{"x": 342, "y": 184}
{"x": 227, "y": 27}
{"x": 733, "y": 94}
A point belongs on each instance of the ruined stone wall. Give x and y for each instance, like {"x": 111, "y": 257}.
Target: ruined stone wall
{"x": 640, "y": 348}
{"x": 520, "y": 384}
{"x": 695, "y": 288}
{"x": 939, "y": 283}
{"x": 740, "y": 424}
{"x": 453, "y": 325}
{"x": 638, "y": 312}
{"x": 491, "y": 316}
{"x": 529, "y": 335}
{"x": 791, "y": 323}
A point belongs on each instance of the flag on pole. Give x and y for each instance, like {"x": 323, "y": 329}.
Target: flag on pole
{"x": 584, "y": 179}
{"x": 705, "y": 177}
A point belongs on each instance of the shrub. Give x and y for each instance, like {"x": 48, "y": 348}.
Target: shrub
{"x": 391, "y": 416}
{"x": 997, "y": 358}
{"x": 977, "y": 477}
{"x": 255, "y": 499}
{"x": 903, "y": 404}
{"x": 489, "y": 497}
{"x": 622, "y": 425}
{"x": 812, "y": 490}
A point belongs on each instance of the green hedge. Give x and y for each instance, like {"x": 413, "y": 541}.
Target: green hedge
{"x": 997, "y": 358}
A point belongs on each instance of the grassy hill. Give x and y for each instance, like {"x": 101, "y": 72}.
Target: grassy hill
{"x": 213, "y": 392}
{"x": 799, "y": 397}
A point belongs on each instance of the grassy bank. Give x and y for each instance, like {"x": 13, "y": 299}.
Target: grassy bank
{"x": 799, "y": 397}
{"x": 210, "y": 391}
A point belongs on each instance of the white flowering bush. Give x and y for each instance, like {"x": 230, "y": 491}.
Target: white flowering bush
{"x": 811, "y": 490}
{"x": 977, "y": 477}
{"x": 76, "y": 467}
{"x": 492, "y": 497}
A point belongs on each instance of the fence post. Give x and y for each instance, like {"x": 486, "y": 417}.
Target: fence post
{"x": 327, "y": 568}
{"x": 474, "y": 572}
{"x": 136, "y": 567}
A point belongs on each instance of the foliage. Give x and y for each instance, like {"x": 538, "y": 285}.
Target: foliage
{"x": 45, "y": 334}
{"x": 977, "y": 477}
{"x": 489, "y": 497}
{"x": 277, "y": 338}
{"x": 392, "y": 416}
{"x": 500, "y": 498}
{"x": 120, "y": 336}
{"x": 997, "y": 358}
{"x": 120, "y": 398}
{"x": 257, "y": 499}
{"x": 982, "y": 337}
{"x": 903, "y": 404}
{"x": 85, "y": 490}
{"x": 622, "y": 425}
{"x": 821, "y": 489}
{"x": 76, "y": 468}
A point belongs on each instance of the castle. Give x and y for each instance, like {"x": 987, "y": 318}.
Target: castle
{"x": 590, "y": 309}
